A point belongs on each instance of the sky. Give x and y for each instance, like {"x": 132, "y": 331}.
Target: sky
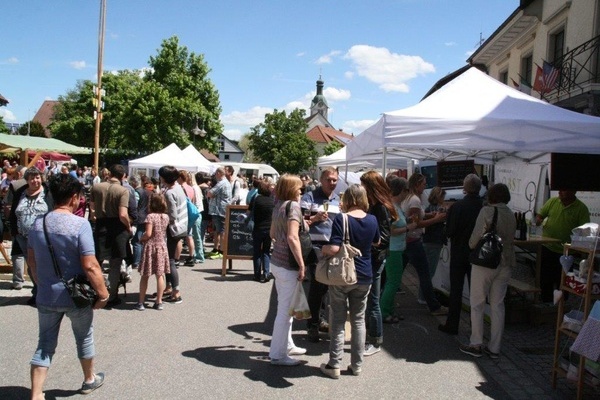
{"x": 374, "y": 56}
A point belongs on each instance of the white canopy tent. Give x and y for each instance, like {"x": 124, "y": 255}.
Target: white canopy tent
{"x": 170, "y": 155}
{"x": 476, "y": 117}
{"x": 202, "y": 164}
{"x": 338, "y": 159}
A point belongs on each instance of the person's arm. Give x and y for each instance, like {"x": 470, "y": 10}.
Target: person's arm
{"x": 147, "y": 233}
{"x": 92, "y": 270}
{"x": 124, "y": 217}
{"x": 294, "y": 243}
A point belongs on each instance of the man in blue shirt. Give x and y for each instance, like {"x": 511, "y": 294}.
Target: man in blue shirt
{"x": 320, "y": 222}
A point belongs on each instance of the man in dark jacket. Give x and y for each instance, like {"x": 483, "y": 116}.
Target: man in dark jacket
{"x": 459, "y": 226}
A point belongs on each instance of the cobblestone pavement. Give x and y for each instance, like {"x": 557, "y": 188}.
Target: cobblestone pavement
{"x": 524, "y": 369}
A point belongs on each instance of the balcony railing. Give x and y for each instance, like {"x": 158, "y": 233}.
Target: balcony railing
{"x": 578, "y": 68}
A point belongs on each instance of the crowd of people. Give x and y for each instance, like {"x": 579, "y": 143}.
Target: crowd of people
{"x": 141, "y": 223}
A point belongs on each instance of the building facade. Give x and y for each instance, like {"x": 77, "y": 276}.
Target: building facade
{"x": 550, "y": 48}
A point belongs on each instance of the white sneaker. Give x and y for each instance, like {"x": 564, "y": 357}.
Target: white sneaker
{"x": 286, "y": 361}
{"x": 370, "y": 350}
{"x": 333, "y": 373}
{"x": 296, "y": 351}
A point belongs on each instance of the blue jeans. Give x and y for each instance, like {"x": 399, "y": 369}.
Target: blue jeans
{"x": 137, "y": 245}
{"x": 344, "y": 299}
{"x": 432, "y": 251}
{"x": 49, "y": 323}
{"x": 415, "y": 253}
{"x": 261, "y": 257}
{"x": 373, "y": 307}
{"x": 198, "y": 235}
{"x": 20, "y": 263}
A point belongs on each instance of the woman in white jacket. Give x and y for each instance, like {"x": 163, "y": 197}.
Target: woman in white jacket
{"x": 487, "y": 282}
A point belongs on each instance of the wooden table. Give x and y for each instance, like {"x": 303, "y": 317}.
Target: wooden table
{"x": 536, "y": 242}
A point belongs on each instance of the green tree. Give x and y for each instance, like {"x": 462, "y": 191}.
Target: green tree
{"x": 244, "y": 145}
{"x": 281, "y": 142}
{"x": 31, "y": 128}
{"x": 332, "y": 147}
{"x": 144, "y": 110}
{"x": 3, "y": 127}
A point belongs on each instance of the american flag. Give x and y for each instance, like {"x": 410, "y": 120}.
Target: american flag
{"x": 549, "y": 76}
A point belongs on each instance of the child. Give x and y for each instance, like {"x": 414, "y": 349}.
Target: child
{"x": 155, "y": 258}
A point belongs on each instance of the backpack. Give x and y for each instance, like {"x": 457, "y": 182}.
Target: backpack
{"x": 193, "y": 213}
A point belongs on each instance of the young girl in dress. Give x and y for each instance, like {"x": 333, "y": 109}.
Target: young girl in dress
{"x": 155, "y": 257}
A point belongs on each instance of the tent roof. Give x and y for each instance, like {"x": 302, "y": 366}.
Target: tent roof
{"x": 338, "y": 159}
{"x": 170, "y": 155}
{"x": 201, "y": 162}
{"x": 40, "y": 144}
{"x": 475, "y": 116}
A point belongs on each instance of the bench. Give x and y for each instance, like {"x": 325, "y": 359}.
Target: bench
{"x": 522, "y": 288}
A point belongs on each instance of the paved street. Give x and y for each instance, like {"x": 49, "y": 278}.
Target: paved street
{"x": 214, "y": 345}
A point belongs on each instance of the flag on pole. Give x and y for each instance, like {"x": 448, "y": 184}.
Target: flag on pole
{"x": 549, "y": 77}
{"x": 538, "y": 84}
{"x": 523, "y": 87}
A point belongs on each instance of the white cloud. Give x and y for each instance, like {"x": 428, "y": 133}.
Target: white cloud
{"x": 357, "y": 127}
{"x": 450, "y": 44}
{"x": 77, "y": 64}
{"x": 469, "y": 53}
{"x": 328, "y": 58}
{"x": 233, "y": 134}
{"x": 7, "y": 115}
{"x": 301, "y": 104}
{"x": 333, "y": 94}
{"x": 349, "y": 75}
{"x": 301, "y": 54}
{"x": 252, "y": 117}
{"x": 13, "y": 60}
{"x": 390, "y": 71}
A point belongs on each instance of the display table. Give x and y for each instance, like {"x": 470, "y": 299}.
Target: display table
{"x": 535, "y": 243}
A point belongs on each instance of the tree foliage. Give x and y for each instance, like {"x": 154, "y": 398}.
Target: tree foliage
{"x": 3, "y": 127}
{"x": 31, "y": 128}
{"x": 281, "y": 142}
{"x": 145, "y": 110}
{"x": 332, "y": 147}
{"x": 244, "y": 145}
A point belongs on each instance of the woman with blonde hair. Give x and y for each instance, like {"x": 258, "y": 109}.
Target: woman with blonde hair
{"x": 415, "y": 252}
{"x": 285, "y": 225}
{"x": 382, "y": 207}
{"x": 363, "y": 232}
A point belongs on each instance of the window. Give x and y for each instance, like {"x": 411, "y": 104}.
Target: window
{"x": 557, "y": 46}
{"x": 226, "y": 156}
{"x": 526, "y": 68}
{"x": 221, "y": 145}
{"x": 503, "y": 77}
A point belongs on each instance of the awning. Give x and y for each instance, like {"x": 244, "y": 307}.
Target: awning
{"x": 40, "y": 144}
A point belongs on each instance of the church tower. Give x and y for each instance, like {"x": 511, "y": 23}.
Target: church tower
{"x": 319, "y": 104}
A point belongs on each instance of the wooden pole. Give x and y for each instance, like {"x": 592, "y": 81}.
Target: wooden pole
{"x": 98, "y": 94}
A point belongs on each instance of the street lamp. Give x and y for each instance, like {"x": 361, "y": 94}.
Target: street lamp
{"x": 198, "y": 132}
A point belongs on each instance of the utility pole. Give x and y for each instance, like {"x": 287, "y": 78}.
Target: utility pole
{"x": 98, "y": 91}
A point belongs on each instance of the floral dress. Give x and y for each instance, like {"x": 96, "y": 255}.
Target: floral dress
{"x": 155, "y": 258}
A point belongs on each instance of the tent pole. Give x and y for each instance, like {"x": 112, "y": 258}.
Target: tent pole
{"x": 99, "y": 93}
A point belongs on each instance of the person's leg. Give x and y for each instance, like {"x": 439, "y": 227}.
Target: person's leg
{"x": 138, "y": 246}
{"x": 457, "y": 281}
{"x": 496, "y": 297}
{"x": 418, "y": 259}
{"x": 198, "y": 242}
{"x": 549, "y": 275}
{"x": 375, "y": 327}
{"x": 393, "y": 269}
{"x": 160, "y": 288}
{"x": 338, "y": 313}
{"x": 38, "y": 377}
{"x": 114, "y": 277}
{"x": 285, "y": 283}
{"x": 174, "y": 275}
{"x": 49, "y": 327}
{"x": 266, "y": 253}
{"x": 87, "y": 366}
{"x": 315, "y": 295}
{"x": 83, "y": 331}
{"x": 143, "y": 288}
{"x": 480, "y": 284}
{"x": 22, "y": 241}
{"x": 256, "y": 253}
{"x": 189, "y": 239}
{"x": 432, "y": 250}
{"x": 18, "y": 262}
{"x": 178, "y": 250}
{"x": 357, "y": 299}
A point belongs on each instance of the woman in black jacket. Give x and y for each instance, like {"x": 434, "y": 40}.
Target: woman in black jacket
{"x": 261, "y": 210}
{"x": 382, "y": 207}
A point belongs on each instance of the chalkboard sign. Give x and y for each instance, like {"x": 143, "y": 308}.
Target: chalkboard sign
{"x": 453, "y": 173}
{"x": 237, "y": 243}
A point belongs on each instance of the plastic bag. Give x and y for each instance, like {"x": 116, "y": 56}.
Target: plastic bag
{"x": 299, "y": 306}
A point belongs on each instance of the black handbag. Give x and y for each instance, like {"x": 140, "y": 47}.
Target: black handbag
{"x": 308, "y": 252}
{"x": 79, "y": 287}
{"x": 488, "y": 251}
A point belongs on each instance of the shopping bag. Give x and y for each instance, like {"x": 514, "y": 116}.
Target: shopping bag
{"x": 299, "y": 306}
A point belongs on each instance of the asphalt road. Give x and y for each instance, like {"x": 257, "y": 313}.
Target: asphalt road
{"x": 214, "y": 345}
